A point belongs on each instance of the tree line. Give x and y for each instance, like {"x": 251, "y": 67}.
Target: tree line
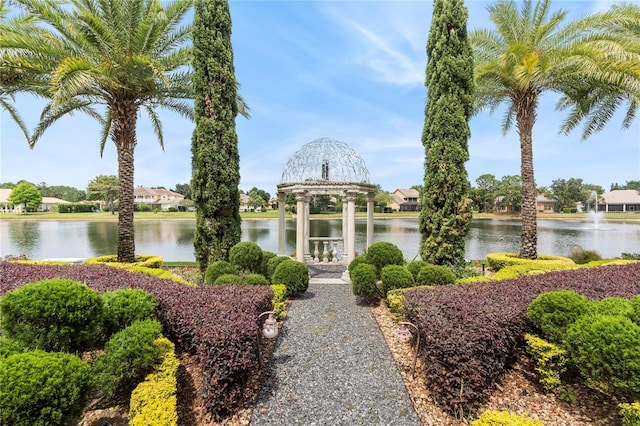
{"x": 114, "y": 72}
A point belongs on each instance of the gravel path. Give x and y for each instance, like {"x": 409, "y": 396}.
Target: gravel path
{"x": 332, "y": 366}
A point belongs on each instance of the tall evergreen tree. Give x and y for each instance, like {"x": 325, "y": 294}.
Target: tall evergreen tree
{"x": 446, "y": 206}
{"x": 214, "y": 145}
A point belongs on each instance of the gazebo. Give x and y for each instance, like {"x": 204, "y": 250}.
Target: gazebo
{"x": 325, "y": 167}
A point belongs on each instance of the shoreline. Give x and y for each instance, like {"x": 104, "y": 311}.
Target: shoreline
{"x": 147, "y": 217}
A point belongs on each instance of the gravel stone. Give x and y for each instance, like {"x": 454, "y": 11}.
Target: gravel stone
{"x": 331, "y": 365}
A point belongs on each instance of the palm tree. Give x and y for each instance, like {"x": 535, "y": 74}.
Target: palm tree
{"x": 126, "y": 56}
{"x": 532, "y": 52}
{"x": 9, "y": 75}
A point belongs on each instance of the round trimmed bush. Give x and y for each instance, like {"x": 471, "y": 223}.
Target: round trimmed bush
{"x": 255, "y": 279}
{"x": 294, "y": 275}
{"x": 273, "y": 263}
{"x": 355, "y": 262}
{"x": 635, "y": 304}
{"x": 414, "y": 267}
{"x": 229, "y": 279}
{"x": 382, "y": 253}
{"x": 246, "y": 256}
{"x": 606, "y": 350}
{"x": 555, "y": 311}
{"x": 435, "y": 275}
{"x": 52, "y": 315}
{"x": 10, "y": 347}
{"x": 264, "y": 270}
{"x": 40, "y": 388}
{"x": 125, "y": 306}
{"x": 396, "y": 276}
{"x": 612, "y": 306}
{"x": 363, "y": 281}
{"x": 218, "y": 268}
{"x": 128, "y": 357}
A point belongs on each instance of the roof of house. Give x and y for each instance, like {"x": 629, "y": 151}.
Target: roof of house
{"x": 5, "y": 192}
{"x": 155, "y": 192}
{"x": 622, "y": 196}
{"x": 407, "y": 192}
{"x": 540, "y": 198}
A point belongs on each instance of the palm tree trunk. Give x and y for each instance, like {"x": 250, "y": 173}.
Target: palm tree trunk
{"x": 124, "y": 115}
{"x": 526, "y": 116}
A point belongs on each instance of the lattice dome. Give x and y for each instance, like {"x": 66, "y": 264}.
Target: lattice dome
{"x": 325, "y": 159}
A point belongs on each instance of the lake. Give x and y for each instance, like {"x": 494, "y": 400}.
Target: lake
{"x": 171, "y": 239}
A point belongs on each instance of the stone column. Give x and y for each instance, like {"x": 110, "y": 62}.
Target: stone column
{"x": 345, "y": 229}
{"x": 351, "y": 224}
{"x": 307, "y": 216}
{"x": 300, "y": 206}
{"x": 371, "y": 199}
{"x": 282, "y": 199}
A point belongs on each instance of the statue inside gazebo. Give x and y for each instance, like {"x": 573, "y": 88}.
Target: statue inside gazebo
{"x": 325, "y": 167}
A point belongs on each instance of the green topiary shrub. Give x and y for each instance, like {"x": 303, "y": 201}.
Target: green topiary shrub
{"x": 382, "y": 253}
{"x": 414, "y": 267}
{"x": 395, "y": 276}
{"x": 52, "y": 315}
{"x": 255, "y": 279}
{"x": 142, "y": 260}
{"x": 279, "y": 300}
{"x": 154, "y": 401}
{"x": 294, "y": 275}
{"x": 363, "y": 281}
{"x": 612, "y": 306}
{"x": 498, "y": 261}
{"x": 40, "y": 388}
{"x": 128, "y": 357}
{"x": 551, "y": 360}
{"x": 504, "y": 418}
{"x": 264, "y": 269}
{"x": 218, "y": 268}
{"x": 555, "y": 311}
{"x": 581, "y": 256}
{"x": 630, "y": 414}
{"x": 273, "y": 263}
{"x": 435, "y": 275}
{"x": 229, "y": 279}
{"x": 635, "y": 304}
{"x": 246, "y": 256}
{"x": 606, "y": 350}
{"x": 125, "y": 306}
{"x": 10, "y": 347}
{"x": 355, "y": 262}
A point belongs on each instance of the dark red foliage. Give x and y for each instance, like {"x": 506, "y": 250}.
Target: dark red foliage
{"x": 473, "y": 333}
{"x": 216, "y": 324}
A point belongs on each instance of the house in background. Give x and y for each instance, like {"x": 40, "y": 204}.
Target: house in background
{"x": 405, "y": 200}
{"x": 543, "y": 204}
{"x": 47, "y": 204}
{"x": 244, "y": 203}
{"x": 620, "y": 200}
{"x": 546, "y": 205}
{"x": 157, "y": 199}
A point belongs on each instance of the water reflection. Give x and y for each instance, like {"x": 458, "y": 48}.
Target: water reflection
{"x": 103, "y": 236}
{"x": 173, "y": 239}
{"x": 24, "y": 236}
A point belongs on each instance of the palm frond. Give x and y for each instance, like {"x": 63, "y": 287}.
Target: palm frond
{"x": 156, "y": 124}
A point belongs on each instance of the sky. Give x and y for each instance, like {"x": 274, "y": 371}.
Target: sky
{"x": 347, "y": 70}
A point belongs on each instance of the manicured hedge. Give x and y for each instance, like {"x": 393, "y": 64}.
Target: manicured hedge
{"x": 473, "y": 333}
{"x": 216, "y": 324}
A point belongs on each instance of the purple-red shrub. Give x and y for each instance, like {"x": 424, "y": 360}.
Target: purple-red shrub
{"x": 218, "y": 325}
{"x": 472, "y": 333}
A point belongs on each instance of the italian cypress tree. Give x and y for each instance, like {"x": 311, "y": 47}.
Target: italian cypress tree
{"x": 214, "y": 145}
{"x": 446, "y": 206}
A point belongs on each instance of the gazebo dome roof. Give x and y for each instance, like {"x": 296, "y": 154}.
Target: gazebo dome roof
{"x": 326, "y": 160}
